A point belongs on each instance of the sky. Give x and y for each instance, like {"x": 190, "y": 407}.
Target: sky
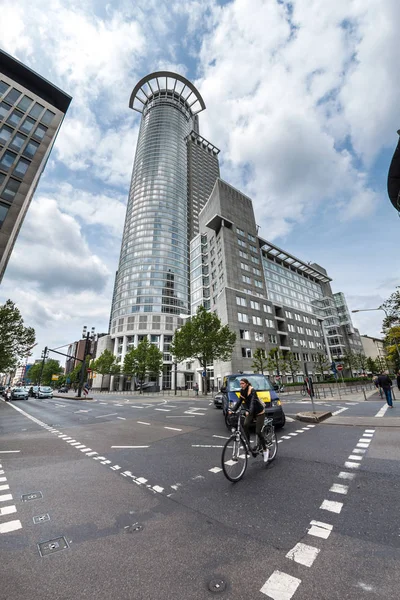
{"x": 302, "y": 99}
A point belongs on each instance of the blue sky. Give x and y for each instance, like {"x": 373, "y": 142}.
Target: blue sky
{"x": 302, "y": 99}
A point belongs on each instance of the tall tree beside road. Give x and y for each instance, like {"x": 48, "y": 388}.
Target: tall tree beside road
{"x": 259, "y": 361}
{"x": 145, "y": 360}
{"x": 203, "y": 338}
{"x": 15, "y": 338}
{"x": 360, "y": 361}
{"x": 392, "y": 338}
{"x": 276, "y": 362}
{"x": 106, "y": 364}
{"x": 322, "y": 364}
{"x": 372, "y": 365}
{"x": 349, "y": 360}
{"x": 51, "y": 367}
{"x": 392, "y": 309}
{"x": 154, "y": 361}
{"x": 293, "y": 364}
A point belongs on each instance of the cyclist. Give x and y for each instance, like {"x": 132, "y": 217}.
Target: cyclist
{"x": 255, "y": 409}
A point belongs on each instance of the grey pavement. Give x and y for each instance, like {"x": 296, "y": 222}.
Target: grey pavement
{"x": 135, "y": 486}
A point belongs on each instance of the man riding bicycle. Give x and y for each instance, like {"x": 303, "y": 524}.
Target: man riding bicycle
{"x": 255, "y": 409}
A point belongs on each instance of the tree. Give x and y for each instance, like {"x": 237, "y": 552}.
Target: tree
{"x": 293, "y": 364}
{"x": 203, "y": 338}
{"x": 392, "y": 309}
{"x": 154, "y": 361}
{"x": 145, "y": 360}
{"x": 105, "y": 364}
{"x": 51, "y": 367}
{"x": 360, "y": 361}
{"x": 260, "y": 362}
{"x": 349, "y": 361}
{"x": 322, "y": 364}
{"x": 34, "y": 373}
{"x": 276, "y": 362}
{"x": 15, "y": 339}
{"x": 392, "y": 343}
{"x": 372, "y": 365}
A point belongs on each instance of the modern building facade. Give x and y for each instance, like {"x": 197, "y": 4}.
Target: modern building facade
{"x": 31, "y": 112}
{"x": 173, "y": 175}
{"x": 270, "y": 298}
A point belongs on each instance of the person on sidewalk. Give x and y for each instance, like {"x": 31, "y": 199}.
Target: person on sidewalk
{"x": 386, "y": 384}
{"x": 398, "y": 379}
{"x": 196, "y": 388}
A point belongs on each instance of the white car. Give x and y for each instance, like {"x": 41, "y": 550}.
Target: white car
{"x": 19, "y": 393}
{"x": 43, "y": 392}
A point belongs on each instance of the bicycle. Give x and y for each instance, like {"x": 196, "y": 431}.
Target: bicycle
{"x": 237, "y": 450}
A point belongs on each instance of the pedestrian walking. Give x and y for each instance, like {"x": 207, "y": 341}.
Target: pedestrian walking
{"x": 386, "y": 384}
{"x": 196, "y": 388}
{"x": 376, "y": 384}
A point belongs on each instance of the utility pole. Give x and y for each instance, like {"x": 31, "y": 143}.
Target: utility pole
{"x": 44, "y": 355}
{"x": 88, "y": 337}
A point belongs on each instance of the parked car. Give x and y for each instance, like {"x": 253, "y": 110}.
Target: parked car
{"x": 218, "y": 400}
{"x": 43, "y": 392}
{"x": 19, "y": 393}
{"x": 63, "y": 389}
{"x": 230, "y": 392}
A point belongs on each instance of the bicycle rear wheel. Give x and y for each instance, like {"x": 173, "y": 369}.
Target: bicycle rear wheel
{"x": 234, "y": 458}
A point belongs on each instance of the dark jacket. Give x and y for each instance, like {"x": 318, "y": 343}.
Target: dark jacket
{"x": 253, "y": 404}
{"x": 398, "y": 381}
{"x": 384, "y": 382}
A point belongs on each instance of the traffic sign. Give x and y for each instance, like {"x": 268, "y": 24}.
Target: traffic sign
{"x": 339, "y": 367}
{"x": 54, "y": 377}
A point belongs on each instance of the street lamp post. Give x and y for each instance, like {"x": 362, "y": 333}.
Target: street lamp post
{"x": 386, "y": 313}
{"x": 88, "y": 336}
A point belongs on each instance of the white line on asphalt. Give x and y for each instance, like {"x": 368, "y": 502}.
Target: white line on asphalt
{"x": 359, "y": 451}
{"x": 173, "y": 428}
{"x": 115, "y": 467}
{"x": 129, "y": 446}
{"x": 368, "y": 435}
{"x": 319, "y": 529}
{"x": 3, "y": 478}
{"x": 215, "y": 470}
{"x": 1, "y": 472}
{"x": 180, "y": 416}
{"x": 133, "y": 406}
{"x": 10, "y": 526}
{"x": 105, "y": 462}
{"x": 80, "y": 446}
{"x": 102, "y": 416}
{"x": 223, "y": 437}
{"x": 6, "y": 497}
{"x": 103, "y": 402}
{"x": 290, "y": 420}
{"x": 339, "y": 411}
{"x": 71, "y": 440}
{"x": 351, "y": 465}
{"x": 158, "y": 489}
{"x": 204, "y": 446}
{"x": 4, "y": 487}
{"x": 280, "y": 441}
{"x": 118, "y": 404}
{"x": 86, "y": 450}
{"x": 9, "y": 451}
{"x": 364, "y": 440}
{"x": 122, "y": 418}
{"x": 299, "y": 431}
{"x": 355, "y": 457}
{"x": 382, "y": 410}
{"x": 75, "y": 443}
{"x": 292, "y": 434}
{"x": 91, "y": 453}
{"x": 332, "y": 506}
{"x": 163, "y": 409}
{"x": 142, "y": 423}
{"x": 303, "y": 554}
{"x": 310, "y": 426}
{"x": 285, "y": 437}
{"x": 338, "y": 488}
{"x": 370, "y": 431}
{"x": 141, "y": 480}
{"x": 8, "y": 510}
{"x": 280, "y": 586}
{"x": 362, "y": 445}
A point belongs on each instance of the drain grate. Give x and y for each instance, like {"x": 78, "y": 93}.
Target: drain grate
{"x": 52, "y": 546}
{"x": 216, "y": 585}
{"x": 41, "y": 518}
{"x": 31, "y": 496}
{"x": 134, "y": 528}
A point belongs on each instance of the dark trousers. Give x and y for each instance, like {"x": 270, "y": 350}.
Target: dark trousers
{"x": 388, "y": 394}
{"x": 259, "y": 425}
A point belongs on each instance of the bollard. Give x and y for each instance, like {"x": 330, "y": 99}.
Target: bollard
{"x": 323, "y": 389}
{"x": 330, "y": 389}
{"x": 393, "y": 396}
{"x": 365, "y": 397}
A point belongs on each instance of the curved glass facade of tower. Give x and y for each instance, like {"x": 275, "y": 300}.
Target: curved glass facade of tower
{"x": 152, "y": 282}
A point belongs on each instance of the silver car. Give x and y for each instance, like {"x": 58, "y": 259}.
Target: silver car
{"x": 43, "y": 392}
{"x": 19, "y": 393}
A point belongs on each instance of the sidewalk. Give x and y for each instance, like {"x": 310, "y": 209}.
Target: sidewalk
{"x": 365, "y": 421}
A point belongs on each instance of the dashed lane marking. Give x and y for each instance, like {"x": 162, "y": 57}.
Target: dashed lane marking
{"x": 319, "y": 529}
{"x": 355, "y": 457}
{"x": 10, "y": 451}
{"x": 5, "y": 497}
{"x": 351, "y": 465}
{"x": 142, "y": 423}
{"x": 173, "y": 428}
{"x": 10, "y": 526}
{"x": 280, "y": 586}
{"x": 4, "y": 487}
{"x": 338, "y": 488}
{"x": 215, "y": 470}
{"x": 332, "y": 506}
{"x": 102, "y": 416}
{"x": 129, "y": 446}
{"x": 163, "y": 409}
{"x": 8, "y": 510}
{"x": 303, "y": 554}
{"x": 381, "y": 411}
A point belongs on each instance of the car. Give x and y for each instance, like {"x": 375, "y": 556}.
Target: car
{"x": 230, "y": 392}
{"x": 218, "y": 400}
{"x": 63, "y": 389}
{"x": 19, "y": 393}
{"x": 43, "y": 392}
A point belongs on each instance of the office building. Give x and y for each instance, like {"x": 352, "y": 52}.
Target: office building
{"x": 31, "y": 112}
{"x": 374, "y": 348}
{"x": 174, "y": 171}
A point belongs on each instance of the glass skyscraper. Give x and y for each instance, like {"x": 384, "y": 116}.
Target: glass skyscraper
{"x": 174, "y": 172}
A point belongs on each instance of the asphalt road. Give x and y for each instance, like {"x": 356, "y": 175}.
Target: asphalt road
{"x": 124, "y": 498}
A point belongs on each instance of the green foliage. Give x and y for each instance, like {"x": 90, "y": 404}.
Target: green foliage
{"x": 392, "y": 345}
{"x": 392, "y": 308}
{"x": 349, "y": 360}
{"x": 260, "y": 362}
{"x": 15, "y": 338}
{"x": 154, "y": 361}
{"x": 322, "y": 363}
{"x": 106, "y": 364}
{"x": 34, "y": 372}
{"x": 293, "y": 365}
{"x": 276, "y": 362}
{"x": 74, "y": 375}
{"x": 50, "y": 367}
{"x": 130, "y": 363}
{"x": 145, "y": 360}
{"x": 360, "y": 361}
{"x": 372, "y": 366}
{"x": 203, "y": 338}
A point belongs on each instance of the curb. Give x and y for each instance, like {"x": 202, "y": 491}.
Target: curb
{"x": 311, "y": 417}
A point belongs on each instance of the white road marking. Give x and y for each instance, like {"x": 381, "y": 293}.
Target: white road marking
{"x": 86, "y": 450}
{"x": 4, "y": 487}
{"x": 355, "y": 457}
{"x": 180, "y": 416}
{"x": 81, "y": 410}
{"x": 205, "y": 446}
{"x": 75, "y": 443}
{"x": 10, "y": 526}
{"x": 319, "y": 529}
{"x": 361, "y": 445}
{"x": 8, "y": 510}
{"x": 339, "y": 411}
{"x": 80, "y": 446}
{"x": 122, "y": 418}
{"x": 222, "y": 437}
{"x": 303, "y": 554}
{"x": 310, "y": 426}
{"x": 192, "y": 414}
{"x": 9, "y": 451}
{"x": 370, "y": 431}
{"x": 134, "y": 406}
{"x": 102, "y": 416}
{"x": 6, "y": 497}
{"x": 163, "y": 409}
{"x": 215, "y": 470}
{"x": 103, "y": 402}
{"x": 368, "y": 435}
{"x": 290, "y": 420}
{"x": 105, "y": 462}
{"x": 292, "y": 434}
{"x": 71, "y": 440}
{"x": 280, "y": 441}
{"x": 158, "y": 489}
{"x": 173, "y": 428}
{"x": 382, "y": 410}
{"x": 364, "y": 440}
{"x": 115, "y": 467}
{"x": 332, "y": 506}
{"x": 338, "y": 488}
{"x": 91, "y": 453}
{"x": 351, "y": 465}
{"x": 280, "y": 586}
{"x": 142, "y": 423}
{"x": 3, "y": 478}
{"x": 359, "y": 451}
{"x": 118, "y": 405}
{"x": 129, "y": 446}
{"x": 141, "y": 480}
{"x": 299, "y": 431}
{"x": 285, "y": 437}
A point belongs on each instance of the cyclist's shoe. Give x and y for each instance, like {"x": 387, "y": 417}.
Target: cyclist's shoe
{"x": 266, "y": 455}
{"x": 254, "y": 449}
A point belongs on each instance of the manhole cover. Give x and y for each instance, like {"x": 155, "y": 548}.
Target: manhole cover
{"x": 216, "y": 585}
{"x": 31, "y": 496}
{"x": 134, "y": 528}
{"x": 52, "y": 546}
{"x": 41, "y": 518}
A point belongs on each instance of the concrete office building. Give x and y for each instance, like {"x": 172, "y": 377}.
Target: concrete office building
{"x": 374, "y": 348}
{"x": 31, "y": 113}
{"x": 267, "y": 296}
{"x": 174, "y": 171}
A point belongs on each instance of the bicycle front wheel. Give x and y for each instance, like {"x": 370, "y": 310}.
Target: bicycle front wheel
{"x": 234, "y": 458}
{"x": 272, "y": 444}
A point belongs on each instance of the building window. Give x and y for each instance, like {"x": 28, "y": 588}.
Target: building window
{"x": 5, "y": 134}
{"x": 297, "y": 317}
{"x": 25, "y": 103}
{"x": 269, "y": 323}
{"x": 303, "y": 343}
{"x": 12, "y": 96}
{"x": 246, "y": 279}
{"x": 48, "y": 117}
{"x": 3, "y": 213}
{"x": 291, "y": 328}
{"x": 253, "y": 249}
{"x": 300, "y": 330}
{"x": 18, "y": 141}
{"x": 243, "y": 254}
{"x": 7, "y": 159}
{"x": 36, "y": 110}
{"x": 244, "y": 334}
{"x": 3, "y": 87}
{"x": 259, "y": 336}
{"x": 306, "y": 358}
{"x": 251, "y": 237}
{"x": 241, "y": 301}
{"x": 272, "y": 338}
{"x": 255, "y": 305}
{"x": 295, "y": 342}
{"x": 240, "y": 231}
{"x": 288, "y": 314}
{"x": 30, "y": 149}
{"x": 10, "y": 190}
{"x": 15, "y": 117}
{"x": 267, "y": 308}
{"x": 255, "y": 260}
{"x": 27, "y": 125}
{"x": 257, "y": 320}
{"x": 242, "y": 243}
{"x": 22, "y": 167}
{"x": 246, "y": 352}
{"x": 244, "y": 266}
{"x": 243, "y": 318}
{"x": 4, "y": 108}
{"x": 40, "y": 131}
{"x": 258, "y": 283}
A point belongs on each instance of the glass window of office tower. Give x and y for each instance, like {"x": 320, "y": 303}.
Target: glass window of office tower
{"x": 153, "y": 272}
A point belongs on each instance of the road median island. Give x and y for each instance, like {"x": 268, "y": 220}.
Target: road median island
{"x": 313, "y": 417}
{"x": 66, "y": 397}
{"x": 365, "y": 421}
